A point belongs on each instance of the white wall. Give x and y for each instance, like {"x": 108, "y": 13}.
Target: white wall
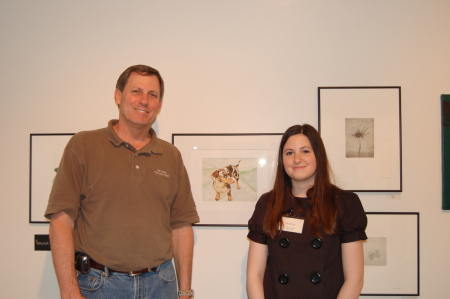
{"x": 262, "y": 60}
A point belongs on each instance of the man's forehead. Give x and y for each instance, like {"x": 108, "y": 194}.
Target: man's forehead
{"x": 136, "y": 78}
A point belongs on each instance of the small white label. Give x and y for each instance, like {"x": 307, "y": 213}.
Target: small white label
{"x": 293, "y": 225}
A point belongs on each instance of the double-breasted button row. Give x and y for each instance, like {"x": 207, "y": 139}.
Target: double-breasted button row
{"x": 316, "y": 243}
{"x": 315, "y": 278}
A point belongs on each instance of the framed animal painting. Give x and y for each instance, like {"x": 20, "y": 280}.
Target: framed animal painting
{"x": 228, "y": 173}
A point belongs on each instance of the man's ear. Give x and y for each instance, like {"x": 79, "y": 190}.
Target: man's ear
{"x": 117, "y": 96}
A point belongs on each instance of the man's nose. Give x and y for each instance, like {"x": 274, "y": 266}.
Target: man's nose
{"x": 144, "y": 99}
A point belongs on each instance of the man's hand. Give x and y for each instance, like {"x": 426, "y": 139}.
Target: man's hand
{"x": 63, "y": 253}
{"x": 183, "y": 249}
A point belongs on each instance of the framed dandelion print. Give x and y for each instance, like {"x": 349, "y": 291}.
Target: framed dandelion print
{"x": 361, "y": 130}
{"x": 228, "y": 173}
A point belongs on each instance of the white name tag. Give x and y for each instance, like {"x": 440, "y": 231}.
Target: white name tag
{"x": 293, "y": 225}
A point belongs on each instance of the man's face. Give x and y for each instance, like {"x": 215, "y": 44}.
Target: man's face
{"x": 139, "y": 102}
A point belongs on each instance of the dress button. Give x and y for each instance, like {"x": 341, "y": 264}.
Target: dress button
{"x": 283, "y": 279}
{"x": 316, "y": 278}
{"x": 285, "y": 242}
{"x": 137, "y": 166}
{"x": 316, "y": 243}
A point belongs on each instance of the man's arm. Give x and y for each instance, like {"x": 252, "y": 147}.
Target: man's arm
{"x": 256, "y": 266}
{"x": 353, "y": 264}
{"x": 183, "y": 250}
{"x": 63, "y": 253}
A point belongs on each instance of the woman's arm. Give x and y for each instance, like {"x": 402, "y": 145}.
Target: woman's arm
{"x": 256, "y": 266}
{"x": 353, "y": 264}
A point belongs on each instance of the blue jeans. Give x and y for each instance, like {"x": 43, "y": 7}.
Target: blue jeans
{"x": 159, "y": 284}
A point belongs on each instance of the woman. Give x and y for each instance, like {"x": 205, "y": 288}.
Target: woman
{"x": 305, "y": 234}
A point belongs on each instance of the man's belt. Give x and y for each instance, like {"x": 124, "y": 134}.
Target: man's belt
{"x": 83, "y": 263}
{"x": 101, "y": 267}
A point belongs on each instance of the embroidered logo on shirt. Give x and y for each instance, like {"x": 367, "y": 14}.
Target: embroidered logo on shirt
{"x": 161, "y": 172}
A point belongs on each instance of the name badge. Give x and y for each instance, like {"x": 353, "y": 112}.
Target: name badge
{"x": 293, "y": 225}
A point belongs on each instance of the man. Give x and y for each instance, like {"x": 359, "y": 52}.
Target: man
{"x": 121, "y": 202}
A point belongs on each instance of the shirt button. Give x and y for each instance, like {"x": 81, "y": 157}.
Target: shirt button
{"x": 283, "y": 279}
{"x": 126, "y": 144}
{"x": 316, "y": 278}
{"x": 285, "y": 243}
{"x": 137, "y": 166}
{"x": 316, "y": 243}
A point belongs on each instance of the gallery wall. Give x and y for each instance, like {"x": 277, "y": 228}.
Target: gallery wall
{"x": 249, "y": 66}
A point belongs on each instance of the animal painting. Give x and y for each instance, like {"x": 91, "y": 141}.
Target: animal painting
{"x": 223, "y": 178}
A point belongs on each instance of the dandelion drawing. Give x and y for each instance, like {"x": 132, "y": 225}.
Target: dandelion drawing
{"x": 359, "y": 137}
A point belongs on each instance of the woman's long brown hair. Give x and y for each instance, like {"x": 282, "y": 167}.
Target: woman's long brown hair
{"x": 324, "y": 210}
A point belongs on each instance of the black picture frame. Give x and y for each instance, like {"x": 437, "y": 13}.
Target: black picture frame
{"x": 361, "y": 129}
{"x": 205, "y": 153}
{"x": 391, "y": 254}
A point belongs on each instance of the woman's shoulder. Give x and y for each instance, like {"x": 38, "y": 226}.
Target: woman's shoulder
{"x": 263, "y": 200}
{"x": 343, "y": 194}
{"x": 345, "y": 198}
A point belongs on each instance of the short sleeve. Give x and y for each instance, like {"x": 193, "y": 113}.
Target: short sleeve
{"x": 183, "y": 211}
{"x": 66, "y": 190}
{"x": 353, "y": 219}
{"x": 255, "y": 224}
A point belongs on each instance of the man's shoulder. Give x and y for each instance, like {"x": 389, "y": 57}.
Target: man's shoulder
{"x": 84, "y": 137}
{"x": 167, "y": 146}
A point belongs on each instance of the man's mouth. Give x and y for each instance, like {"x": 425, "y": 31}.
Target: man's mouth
{"x": 142, "y": 111}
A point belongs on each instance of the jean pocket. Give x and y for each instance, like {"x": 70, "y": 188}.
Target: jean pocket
{"x": 90, "y": 281}
{"x": 167, "y": 272}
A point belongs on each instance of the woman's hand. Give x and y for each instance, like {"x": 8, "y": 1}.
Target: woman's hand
{"x": 256, "y": 266}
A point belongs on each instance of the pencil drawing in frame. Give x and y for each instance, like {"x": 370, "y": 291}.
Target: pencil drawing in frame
{"x": 391, "y": 254}
{"x": 46, "y": 151}
{"x": 361, "y": 130}
{"x": 228, "y": 173}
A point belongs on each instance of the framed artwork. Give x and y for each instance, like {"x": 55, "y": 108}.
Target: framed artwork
{"x": 45, "y": 154}
{"x": 445, "y": 136}
{"x": 361, "y": 130}
{"x": 391, "y": 255}
{"x": 228, "y": 173}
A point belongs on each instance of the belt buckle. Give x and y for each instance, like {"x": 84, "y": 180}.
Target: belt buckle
{"x": 131, "y": 273}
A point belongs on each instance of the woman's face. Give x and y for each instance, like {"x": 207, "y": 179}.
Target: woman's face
{"x": 299, "y": 160}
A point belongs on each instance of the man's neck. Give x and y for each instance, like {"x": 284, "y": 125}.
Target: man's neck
{"x": 138, "y": 137}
